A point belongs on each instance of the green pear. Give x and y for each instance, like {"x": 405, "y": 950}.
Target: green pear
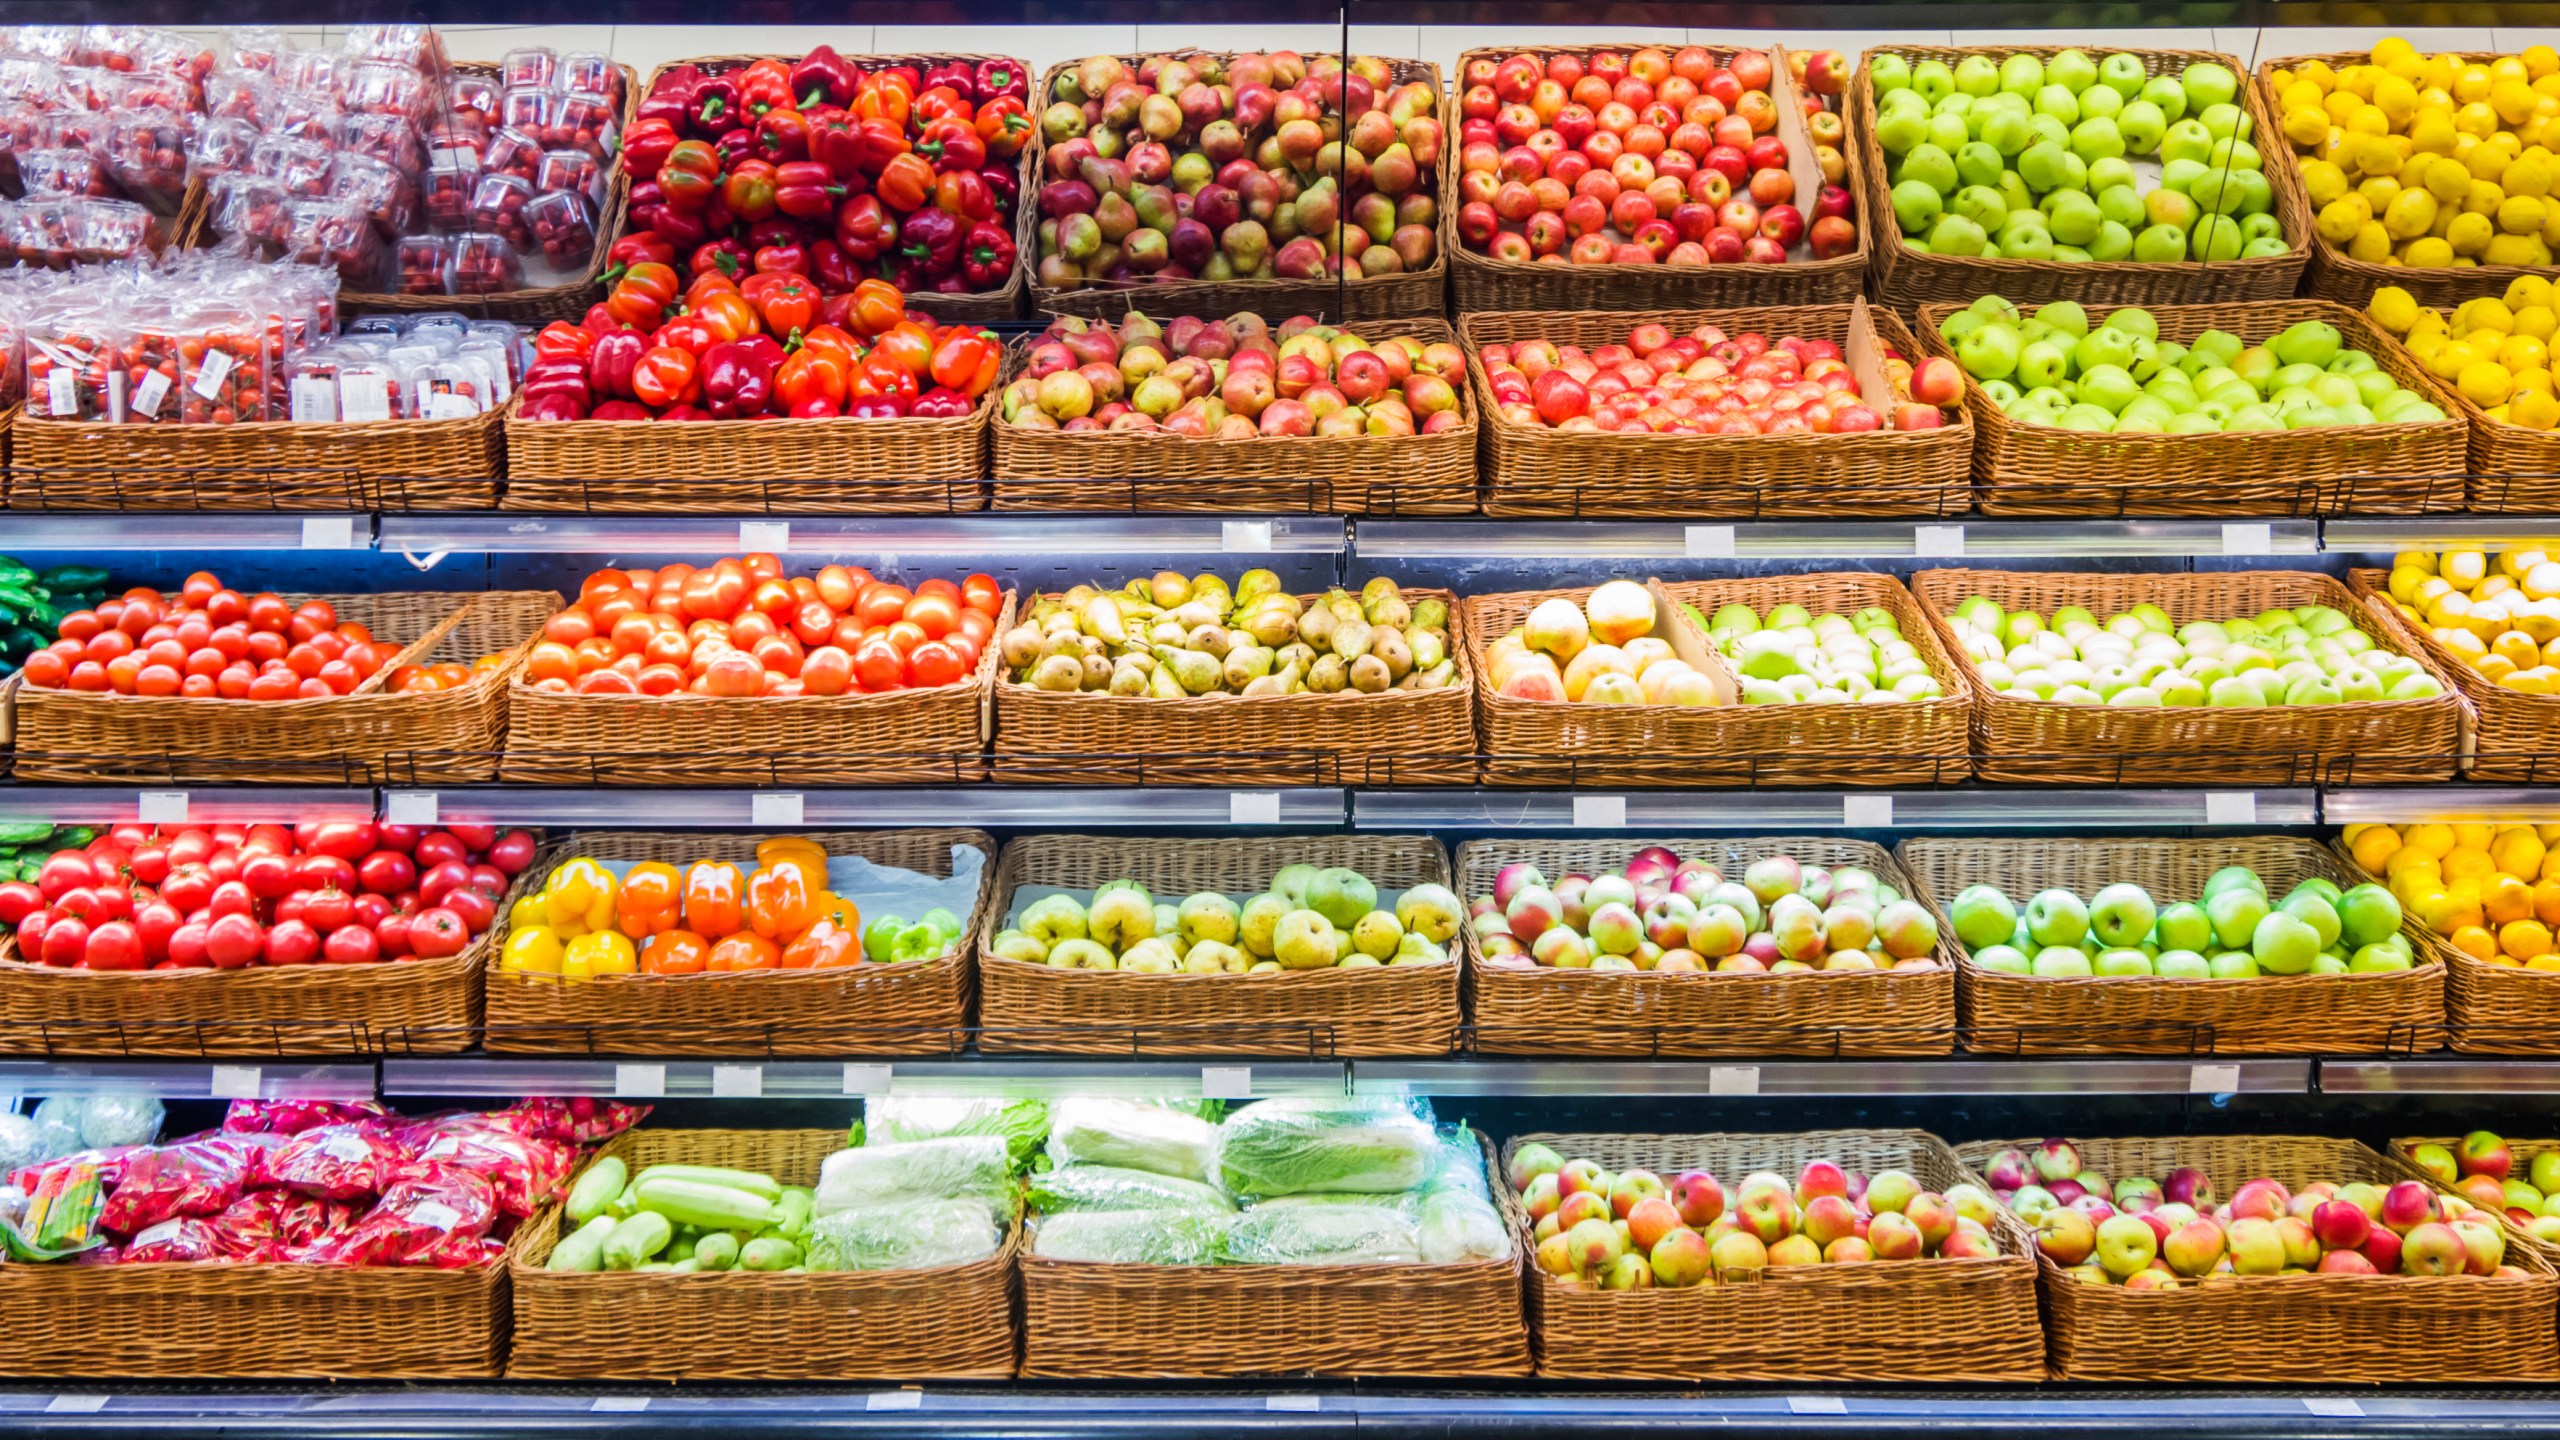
{"x": 1305, "y": 940}
{"x": 1259, "y": 920}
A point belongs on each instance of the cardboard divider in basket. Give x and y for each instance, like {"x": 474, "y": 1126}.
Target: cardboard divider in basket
{"x": 906, "y": 1008}
{"x": 2334, "y": 275}
{"x": 1483, "y": 283}
{"x": 2489, "y": 1009}
{"x": 2508, "y": 736}
{"x": 1096, "y": 1320}
{"x": 2524, "y": 1151}
{"x": 2408, "y": 468}
{"x": 837, "y": 465}
{"x": 1535, "y": 470}
{"x": 2149, "y": 1015}
{"x": 888, "y": 737}
{"x": 429, "y": 465}
{"x": 1549, "y": 1012}
{"x": 1370, "y": 298}
{"x": 1825, "y": 1323}
{"x": 406, "y": 1007}
{"x": 2319, "y": 1329}
{"x": 2374, "y": 741}
{"x": 357, "y": 738}
{"x": 1041, "y": 469}
{"x": 1089, "y": 737}
{"x": 1905, "y": 279}
{"x": 949, "y": 1323}
{"x": 180, "y": 1321}
{"x": 969, "y": 307}
{"x": 1391, "y": 1010}
{"x": 1546, "y": 742}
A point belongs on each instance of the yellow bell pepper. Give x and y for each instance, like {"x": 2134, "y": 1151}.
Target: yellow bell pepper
{"x": 532, "y": 950}
{"x": 529, "y": 911}
{"x": 800, "y": 848}
{"x": 581, "y": 892}
{"x": 605, "y": 952}
{"x": 832, "y": 906}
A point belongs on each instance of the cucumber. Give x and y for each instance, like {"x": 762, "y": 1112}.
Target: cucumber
{"x": 683, "y": 1248}
{"x": 716, "y": 1251}
{"x": 769, "y": 1253}
{"x": 583, "y": 1250}
{"x": 791, "y": 1212}
{"x": 24, "y": 834}
{"x": 624, "y": 1205}
{"x": 764, "y": 1187}
{"x": 633, "y": 1242}
{"x": 700, "y": 1202}
{"x": 596, "y": 1189}
{"x": 74, "y": 577}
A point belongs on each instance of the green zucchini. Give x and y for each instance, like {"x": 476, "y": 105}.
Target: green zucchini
{"x": 597, "y": 1188}
{"x": 26, "y": 833}
{"x": 764, "y": 1187}
{"x": 635, "y": 1241}
{"x": 716, "y": 1251}
{"x": 583, "y": 1249}
{"x": 700, "y": 1202}
{"x": 769, "y": 1253}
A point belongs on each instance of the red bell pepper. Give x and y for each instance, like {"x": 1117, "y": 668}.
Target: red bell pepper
{"x": 665, "y": 376}
{"x": 904, "y": 183}
{"x": 952, "y": 144}
{"x": 726, "y": 311}
{"x": 642, "y": 295}
{"x": 684, "y": 413}
{"x": 681, "y": 229}
{"x": 645, "y": 146}
{"x": 940, "y": 403}
{"x": 825, "y": 77}
{"x": 1003, "y": 184}
{"x": 782, "y": 136}
{"x": 765, "y": 86}
{"x": 713, "y": 105}
{"x": 689, "y": 174}
{"x": 1003, "y": 126}
{"x": 611, "y": 362}
{"x": 737, "y": 143}
{"x": 1001, "y": 79}
{"x": 877, "y": 308}
{"x": 599, "y": 320}
{"x": 737, "y": 377}
{"x": 882, "y": 142}
{"x": 832, "y": 268}
{"x": 789, "y": 259}
{"x": 966, "y": 360}
{"x": 941, "y": 102}
{"x": 720, "y": 257}
{"x": 886, "y": 95}
{"x": 804, "y": 190}
{"x": 951, "y": 73}
{"x": 987, "y": 254}
{"x": 874, "y": 407}
{"x": 671, "y": 97}
{"x": 560, "y": 375}
{"x": 929, "y": 242}
{"x": 865, "y": 228}
{"x": 561, "y": 340}
{"x": 689, "y": 333}
{"x": 748, "y": 190}
{"x": 631, "y": 250}
{"x": 621, "y": 410}
{"x": 835, "y": 141}
{"x": 962, "y": 193}
{"x": 787, "y": 303}
{"x": 550, "y": 407}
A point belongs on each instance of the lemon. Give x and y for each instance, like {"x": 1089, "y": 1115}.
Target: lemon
{"x": 2430, "y": 253}
{"x": 2486, "y": 162}
{"x": 2432, "y": 132}
{"x": 2341, "y": 219}
{"x": 2536, "y": 381}
{"x": 2394, "y": 309}
{"x": 2379, "y": 191}
{"x": 2475, "y": 118}
{"x": 2447, "y": 179}
{"x": 2486, "y": 313}
{"x": 2483, "y": 199}
{"x": 2392, "y": 47}
{"x": 2324, "y": 182}
{"x": 2372, "y": 244}
{"x": 2398, "y": 99}
{"x": 2516, "y": 250}
{"x": 2410, "y": 214}
{"x": 2471, "y": 83}
{"x": 2540, "y": 60}
{"x": 2522, "y": 352}
{"x": 2528, "y": 175}
{"x": 2535, "y": 411}
{"x": 2342, "y": 104}
{"x": 2484, "y": 383}
{"x": 2529, "y": 291}
{"x": 2306, "y": 124}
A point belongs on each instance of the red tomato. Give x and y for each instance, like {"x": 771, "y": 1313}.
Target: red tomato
{"x": 386, "y": 871}
{"x": 659, "y": 679}
{"x": 513, "y": 851}
{"x": 733, "y": 673}
{"x": 773, "y": 597}
{"x": 477, "y": 907}
{"x": 838, "y": 585}
{"x": 351, "y": 945}
{"x": 328, "y": 907}
{"x": 779, "y": 654}
{"x": 199, "y": 587}
{"x": 878, "y": 665}
{"x": 880, "y": 604}
{"x": 759, "y": 564}
{"x": 813, "y": 621}
{"x": 906, "y": 635}
{"x": 293, "y": 942}
{"x": 934, "y": 663}
{"x": 231, "y": 941}
{"x": 66, "y": 941}
{"x": 982, "y": 594}
{"x": 936, "y": 614}
{"x": 751, "y": 628}
{"x": 433, "y": 934}
{"x": 114, "y": 945}
{"x": 828, "y": 670}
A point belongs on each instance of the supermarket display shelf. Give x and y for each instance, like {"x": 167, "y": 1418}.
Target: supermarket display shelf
{"x": 938, "y": 535}
{"x": 2464, "y": 1075}
{"x": 2494, "y": 532}
{"x": 1953, "y": 808}
{"x": 1953, "y": 539}
{"x": 284, "y": 1080}
{"x": 2401, "y": 804}
{"x": 2058, "y": 1076}
{"x": 1062, "y": 807}
{"x": 182, "y": 530}
{"x": 171, "y": 805}
{"x": 973, "y": 1075}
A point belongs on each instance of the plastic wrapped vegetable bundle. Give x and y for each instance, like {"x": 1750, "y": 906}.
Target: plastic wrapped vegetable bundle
{"x": 910, "y": 1235}
{"x": 1457, "y": 1226}
{"x": 1329, "y": 1234}
{"x": 1112, "y": 1187}
{"x": 1132, "y": 1237}
{"x": 894, "y": 1120}
{"x": 1298, "y": 1147}
{"x": 959, "y": 1167}
{"x": 1085, "y": 1131}
{"x": 1460, "y": 1165}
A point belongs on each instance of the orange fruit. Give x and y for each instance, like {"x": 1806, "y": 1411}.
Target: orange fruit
{"x": 2518, "y": 852}
{"x": 2373, "y": 846}
{"x": 2505, "y": 899}
{"x": 2474, "y": 941}
{"x": 2524, "y": 939}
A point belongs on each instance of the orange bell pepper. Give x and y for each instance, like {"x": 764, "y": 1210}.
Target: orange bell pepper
{"x": 729, "y": 313}
{"x": 908, "y": 346}
{"x": 732, "y": 953}
{"x": 796, "y": 847}
{"x": 877, "y": 305}
{"x": 675, "y": 952}
{"x": 781, "y": 901}
{"x": 649, "y": 902}
{"x": 824, "y": 946}
{"x": 715, "y": 899}
{"x": 829, "y": 340}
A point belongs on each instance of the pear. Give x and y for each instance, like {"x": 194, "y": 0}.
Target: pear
{"x": 1283, "y": 681}
{"x": 1208, "y": 958}
{"x": 1022, "y": 646}
{"x": 1082, "y": 955}
{"x": 1317, "y": 625}
{"x": 1064, "y": 642}
{"x": 1211, "y": 640}
{"x": 1388, "y": 609}
{"x": 1438, "y": 677}
{"x": 1194, "y": 615}
{"x": 1101, "y": 619}
{"x": 1258, "y": 921}
{"x": 1054, "y": 920}
{"x": 1169, "y": 588}
{"x": 1429, "y": 647}
{"x": 1152, "y": 956}
{"x": 1256, "y": 582}
{"x": 1246, "y": 664}
{"x": 1208, "y": 587}
{"x": 1014, "y": 945}
{"x": 1129, "y": 678}
{"x": 1328, "y": 675}
{"x": 1098, "y": 670}
{"x": 1162, "y": 686}
{"x": 1077, "y": 595}
{"x": 1378, "y": 587}
{"x": 1269, "y": 625}
{"x": 1122, "y": 914}
{"x": 1167, "y": 632}
{"x": 1058, "y": 674}
{"x": 1306, "y": 940}
{"x": 1369, "y": 675}
{"x": 1296, "y": 652}
{"x": 1351, "y": 639}
{"x": 1431, "y": 613}
{"x": 1388, "y": 645}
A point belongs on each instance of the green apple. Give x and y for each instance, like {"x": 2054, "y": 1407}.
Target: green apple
{"x": 2184, "y": 926}
{"x": 2067, "y": 316}
{"x": 1903, "y": 129}
{"x": 1947, "y": 128}
{"x": 2160, "y": 244}
{"x": 2062, "y": 962}
{"x": 2112, "y": 242}
{"x": 2208, "y": 83}
{"x": 2073, "y": 70}
{"x": 2003, "y": 959}
{"x": 2022, "y": 75}
{"x": 1977, "y": 75}
{"x": 1888, "y": 72}
{"x": 2225, "y": 121}
{"x": 2163, "y": 91}
{"x": 2233, "y": 965}
{"x": 2123, "y": 74}
{"x": 2378, "y": 959}
{"x": 1983, "y": 916}
{"x": 1932, "y": 81}
{"x": 2057, "y": 917}
{"x": 2367, "y": 915}
{"x": 2044, "y": 362}
{"x": 2108, "y": 387}
{"x": 2181, "y": 965}
{"x": 1931, "y": 165}
{"x": 2046, "y": 166}
{"x": 2122, "y": 204}
{"x": 2235, "y": 914}
{"x": 2059, "y": 101}
{"x": 2184, "y": 140}
{"x": 2074, "y": 217}
{"x": 1979, "y": 164}
{"x": 2141, "y": 123}
{"x": 2314, "y": 910}
{"x": 2008, "y": 131}
{"x": 2096, "y": 138}
{"x": 2122, "y": 914}
{"x": 1917, "y": 205}
{"x": 1989, "y": 351}
{"x": 2099, "y": 102}
{"x": 2122, "y": 962}
{"x": 1955, "y": 235}
{"x": 1982, "y": 205}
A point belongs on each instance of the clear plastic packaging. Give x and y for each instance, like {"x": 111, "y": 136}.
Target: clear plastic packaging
{"x": 1301, "y": 1146}
{"x": 485, "y": 265}
{"x": 338, "y": 233}
{"x": 61, "y": 173}
{"x": 107, "y": 228}
{"x": 1456, "y": 1226}
{"x": 973, "y": 1166}
{"x": 894, "y": 1119}
{"x": 300, "y": 166}
{"x": 444, "y": 196}
{"x": 257, "y": 49}
{"x": 372, "y": 388}
{"x": 313, "y": 115}
{"x": 224, "y": 378}
{"x": 592, "y": 71}
{"x": 424, "y": 265}
{"x": 146, "y": 151}
{"x": 1459, "y": 1165}
{"x": 250, "y": 209}
{"x": 416, "y": 46}
{"x": 388, "y": 196}
{"x": 1322, "y": 1235}
{"x": 65, "y": 380}
{"x": 512, "y": 152}
{"x": 313, "y": 70}
{"x": 239, "y": 95}
{"x": 1131, "y": 1237}
{"x": 916, "y": 1235}
{"x": 455, "y": 389}
{"x": 1110, "y": 1187}
{"x": 223, "y": 147}
{"x": 573, "y": 172}
{"x": 475, "y": 96}
{"x": 496, "y": 364}
{"x": 1085, "y": 1130}
{"x": 584, "y": 120}
{"x": 532, "y": 68}
{"x": 145, "y": 359}
{"x": 563, "y": 228}
{"x": 528, "y": 109}
{"x": 383, "y": 88}
{"x": 391, "y": 139}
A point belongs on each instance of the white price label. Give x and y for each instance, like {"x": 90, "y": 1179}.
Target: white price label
{"x": 1937, "y": 542}
{"x": 435, "y": 1214}
{"x": 409, "y": 807}
{"x": 620, "y": 1404}
{"x": 233, "y": 1082}
{"x": 860, "y": 1079}
{"x": 328, "y": 532}
{"x": 1733, "y": 1079}
{"x": 75, "y": 1404}
{"x": 894, "y": 1400}
{"x": 1816, "y": 1405}
{"x": 2212, "y": 1079}
{"x": 1866, "y": 812}
{"x": 1226, "y": 1082}
{"x": 445, "y": 405}
{"x": 777, "y": 809}
{"x": 639, "y": 1082}
{"x": 364, "y": 397}
{"x": 62, "y": 393}
{"x": 773, "y": 535}
{"x": 161, "y": 807}
{"x": 1600, "y": 812}
{"x": 211, "y": 372}
{"x": 1253, "y": 807}
{"x": 315, "y": 400}
{"x": 2333, "y": 1407}
{"x": 2231, "y": 807}
{"x": 2248, "y": 537}
{"x": 1300, "y": 1403}
{"x": 148, "y": 395}
{"x": 1248, "y": 536}
{"x": 737, "y": 1082}
{"x": 158, "y": 1233}
{"x": 1710, "y": 542}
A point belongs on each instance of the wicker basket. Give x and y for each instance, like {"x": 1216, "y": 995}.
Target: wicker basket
{"x": 2044, "y": 470}
{"x": 1825, "y": 1323}
{"x": 1905, "y": 279}
{"x": 2335, "y": 276}
{"x": 903, "y": 1009}
{"x": 1545, "y": 742}
{"x": 258, "y": 1322}
{"x": 261, "y": 465}
{"x": 976, "y": 308}
{"x": 1392, "y": 1010}
{"x": 1377, "y": 297}
{"x": 1652, "y": 1014}
{"x": 1093, "y": 1320}
{"x": 2362, "y": 742}
{"x": 835, "y": 466}
{"x": 887, "y": 737}
{"x": 1087, "y": 737}
{"x": 1482, "y": 283}
{"x": 952, "y": 1323}
{"x": 2523, "y": 1150}
{"x": 2138, "y": 1015}
{"x": 1320, "y": 474}
{"x": 1534, "y": 470}
{"x": 2488, "y": 1009}
{"x": 2294, "y": 1329}
{"x": 2509, "y": 737}
{"x": 366, "y": 737}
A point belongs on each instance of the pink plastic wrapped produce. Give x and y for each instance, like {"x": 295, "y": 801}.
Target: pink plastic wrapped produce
{"x": 55, "y": 43}
{"x": 250, "y": 1229}
{"x": 314, "y": 70}
{"x": 200, "y": 1176}
{"x": 444, "y": 196}
{"x": 390, "y": 139}
{"x": 181, "y": 1242}
{"x": 299, "y": 167}
{"x": 338, "y": 1162}
{"x": 416, "y": 46}
{"x": 571, "y": 171}
{"x": 525, "y": 1172}
{"x": 423, "y": 1213}
{"x": 379, "y": 88}
{"x": 239, "y": 95}
{"x": 498, "y": 206}
{"x": 110, "y": 228}
{"x": 584, "y": 120}
{"x": 588, "y": 70}
{"x": 254, "y": 50}
{"x": 249, "y": 210}
{"x": 300, "y": 114}
{"x": 574, "y": 1120}
{"x": 292, "y": 1117}
{"x": 223, "y": 147}
{"x": 146, "y": 151}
